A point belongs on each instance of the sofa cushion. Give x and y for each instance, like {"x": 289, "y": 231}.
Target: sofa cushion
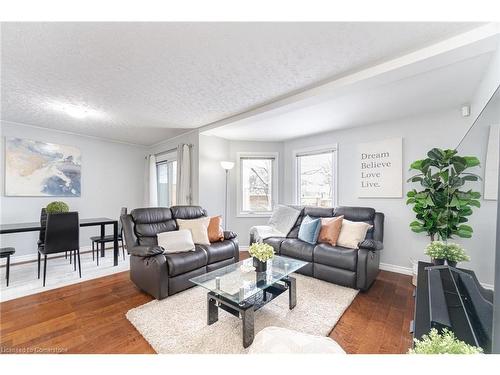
{"x": 219, "y": 251}
{"x": 215, "y": 231}
{"x": 188, "y": 212}
{"x": 180, "y": 263}
{"x": 148, "y": 222}
{"x": 309, "y": 230}
{"x": 365, "y": 214}
{"x": 330, "y": 230}
{"x": 295, "y": 248}
{"x": 198, "y": 228}
{"x": 318, "y": 211}
{"x": 352, "y": 233}
{"x": 275, "y": 242}
{"x": 335, "y": 256}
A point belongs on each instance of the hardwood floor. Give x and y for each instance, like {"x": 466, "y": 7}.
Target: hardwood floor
{"x": 89, "y": 317}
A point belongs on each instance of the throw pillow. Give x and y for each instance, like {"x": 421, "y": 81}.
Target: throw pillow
{"x": 198, "y": 228}
{"x": 176, "y": 241}
{"x": 309, "y": 230}
{"x": 215, "y": 231}
{"x": 330, "y": 230}
{"x": 283, "y": 219}
{"x": 352, "y": 233}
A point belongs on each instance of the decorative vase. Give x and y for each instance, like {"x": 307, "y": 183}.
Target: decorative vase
{"x": 438, "y": 262}
{"x": 451, "y": 263}
{"x": 259, "y": 265}
{"x": 260, "y": 279}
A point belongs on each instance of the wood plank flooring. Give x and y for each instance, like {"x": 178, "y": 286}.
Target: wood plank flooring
{"x": 89, "y": 317}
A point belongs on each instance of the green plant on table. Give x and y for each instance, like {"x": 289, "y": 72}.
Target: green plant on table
{"x": 436, "y": 250}
{"x": 441, "y": 207}
{"x": 446, "y": 250}
{"x": 442, "y": 343}
{"x": 456, "y": 253}
{"x": 261, "y": 251}
{"x": 57, "y": 207}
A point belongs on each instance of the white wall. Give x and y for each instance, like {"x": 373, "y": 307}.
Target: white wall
{"x": 444, "y": 130}
{"x": 112, "y": 175}
{"x": 212, "y": 177}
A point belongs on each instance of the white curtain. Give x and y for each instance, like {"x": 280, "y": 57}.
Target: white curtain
{"x": 184, "y": 196}
{"x": 152, "y": 182}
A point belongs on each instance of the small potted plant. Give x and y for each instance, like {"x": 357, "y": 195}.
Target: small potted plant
{"x": 57, "y": 207}
{"x": 261, "y": 253}
{"x": 437, "y": 251}
{"x": 442, "y": 343}
{"x": 455, "y": 253}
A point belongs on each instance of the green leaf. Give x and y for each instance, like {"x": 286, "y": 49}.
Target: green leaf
{"x": 475, "y": 203}
{"x": 471, "y": 161}
{"x": 436, "y": 154}
{"x": 417, "y": 164}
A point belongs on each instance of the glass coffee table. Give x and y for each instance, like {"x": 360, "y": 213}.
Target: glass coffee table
{"x": 241, "y": 291}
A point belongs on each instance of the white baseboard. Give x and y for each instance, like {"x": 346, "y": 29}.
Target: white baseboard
{"x": 398, "y": 269}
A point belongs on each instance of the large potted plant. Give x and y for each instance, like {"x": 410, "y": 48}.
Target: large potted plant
{"x": 442, "y": 207}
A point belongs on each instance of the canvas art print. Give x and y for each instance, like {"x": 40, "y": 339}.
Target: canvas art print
{"x": 34, "y": 168}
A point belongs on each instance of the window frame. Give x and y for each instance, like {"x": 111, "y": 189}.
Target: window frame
{"x": 274, "y": 182}
{"x": 314, "y": 150}
{"x": 166, "y": 159}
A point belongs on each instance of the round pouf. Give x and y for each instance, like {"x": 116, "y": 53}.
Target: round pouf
{"x": 282, "y": 340}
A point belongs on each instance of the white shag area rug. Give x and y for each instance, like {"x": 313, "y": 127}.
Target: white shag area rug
{"x": 178, "y": 324}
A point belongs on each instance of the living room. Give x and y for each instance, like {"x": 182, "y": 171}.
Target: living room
{"x": 250, "y": 187}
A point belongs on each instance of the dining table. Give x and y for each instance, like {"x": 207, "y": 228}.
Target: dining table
{"x": 95, "y": 221}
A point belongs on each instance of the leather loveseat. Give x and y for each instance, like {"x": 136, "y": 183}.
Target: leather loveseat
{"x": 162, "y": 275}
{"x": 354, "y": 268}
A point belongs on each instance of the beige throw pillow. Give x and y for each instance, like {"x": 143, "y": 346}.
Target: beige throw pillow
{"x": 176, "y": 241}
{"x": 198, "y": 228}
{"x": 352, "y": 233}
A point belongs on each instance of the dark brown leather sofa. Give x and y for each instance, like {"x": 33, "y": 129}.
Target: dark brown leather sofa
{"x": 162, "y": 275}
{"x": 354, "y": 268}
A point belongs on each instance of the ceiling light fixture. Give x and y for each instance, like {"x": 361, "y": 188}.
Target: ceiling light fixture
{"x": 78, "y": 111}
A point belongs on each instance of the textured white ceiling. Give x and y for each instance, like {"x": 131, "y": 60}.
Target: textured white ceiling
{"x": 448, "y": 87}
{"x": 153, "y": 81}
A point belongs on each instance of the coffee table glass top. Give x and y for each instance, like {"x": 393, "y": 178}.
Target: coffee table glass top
{"x": 239, "y": 281}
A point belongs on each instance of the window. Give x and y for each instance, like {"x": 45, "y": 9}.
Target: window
{"x": 316, "y": 178}
{"x": 166, "y": 174}
{"x": 257, "y": 183}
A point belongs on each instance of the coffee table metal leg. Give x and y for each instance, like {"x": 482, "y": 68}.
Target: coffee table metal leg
{"x": 212, "y": 310}
{"x": 292, "y": 292}
{"x": 248, "y": 326}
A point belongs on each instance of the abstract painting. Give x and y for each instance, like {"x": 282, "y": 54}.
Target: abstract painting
{"x": 34, "y": 168}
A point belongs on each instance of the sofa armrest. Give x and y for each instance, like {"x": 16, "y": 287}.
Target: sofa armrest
{"x": 229, "y": 235}
{"x": 372, "y": 245}
{"x": 150, "y": 274}
{"x": 145, "y": 251}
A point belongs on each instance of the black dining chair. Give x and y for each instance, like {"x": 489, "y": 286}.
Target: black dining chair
{"x": 100, "y": 242}
{"x": 62, "y": 234}
{"x": 41, "y": 237}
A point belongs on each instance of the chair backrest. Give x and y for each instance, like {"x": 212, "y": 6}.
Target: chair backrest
{"x": 43, "y": 224}
{"x": 62, "y": 233}
{"x": 123, "y": 211}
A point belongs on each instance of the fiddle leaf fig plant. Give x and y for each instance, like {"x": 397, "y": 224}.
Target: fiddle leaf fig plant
{"x": 441, "y": 207}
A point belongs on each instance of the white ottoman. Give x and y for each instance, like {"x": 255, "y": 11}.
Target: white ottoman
{"x": 282, "y": 340}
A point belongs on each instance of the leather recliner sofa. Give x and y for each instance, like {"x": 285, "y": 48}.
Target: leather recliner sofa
{"x": 162, "y": 275}
{"x": 354, "y": 268}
